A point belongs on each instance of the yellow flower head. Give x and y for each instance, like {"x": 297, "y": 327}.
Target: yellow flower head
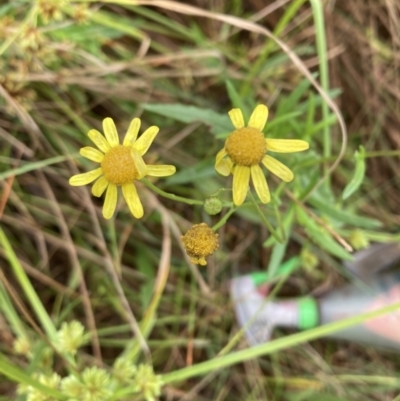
{"x": 200, "y": 241}
{"x": 244, "y": 150}
{"x": 120, "y": 165}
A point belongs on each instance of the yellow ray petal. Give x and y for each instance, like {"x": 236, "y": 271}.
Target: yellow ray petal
{"x": 132, "y": 132}
{"x": 139, "y": 163}
{"x": 146, "y": 139}
{"x": 194, "y": 260}
{"x": 259, "y": 117}
{"x": 224, "y": 167}
{"x": 241, "y": 177}
{"x": 132, "y": 199}
{"x": 286, "y": 145}
{"x": 92, "y": 154}
{"x": 99, "y": 186}
{"x": 221, "y": 164}
{"x": 110, "y": 203}
{"x": 279, "y": 169}
{"x": 110, "y": 131}
{"x": 220, "y": 155}
{"x": 160, "y": 170}
{"x": 236, "y": 117}
{"x": 99, "y": 140}
{"x": 230, "y": 164}
{"x": 260, "y": 184}
{"x": 85, "y": 178}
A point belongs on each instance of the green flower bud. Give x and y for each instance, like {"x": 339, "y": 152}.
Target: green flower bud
{"x": 22, "y": 346}
{"x": 147, "y": 383}
{"x": 123, "y": 370}
{"x": 212, "y": 205}
{"x": 358, "y": 240}
{"x": 308, "y": 259}
{"x": 70, "y": 337}
{"x": 96, "y": 384}
{"x": 72, "y": 387}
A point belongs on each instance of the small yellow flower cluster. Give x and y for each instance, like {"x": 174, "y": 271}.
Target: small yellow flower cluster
{"x": 200, "y": 241}
{"x": 245, "y": 148}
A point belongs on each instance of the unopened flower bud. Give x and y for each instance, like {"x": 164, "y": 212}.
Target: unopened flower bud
{"x": 212, "y": 205}
{"x": 308, "y": 259}
{"x": 147, "y": 383}
{"x": 358, "y": 240}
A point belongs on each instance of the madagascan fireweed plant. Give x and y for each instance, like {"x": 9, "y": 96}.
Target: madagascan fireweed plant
{"x": 244, "y": 149}
{"x": 104, "y": 328}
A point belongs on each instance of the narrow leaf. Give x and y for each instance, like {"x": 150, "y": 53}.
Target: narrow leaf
{"x": 219, "y": 123}
{"x": 344, "y": 216}
{"x": 320, "y": 236}
{"x": 358, "y": 176}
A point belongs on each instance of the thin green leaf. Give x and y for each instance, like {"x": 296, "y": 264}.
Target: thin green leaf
{"x": 219, "y": 123}
{"x": 320, "y": 236}
{"x": 18, "y": 375}
{"x": 199, "y": 171}
{"x": 8, "y": 310}
{"x": 344, "y": 216}
{"x": 358, "y": 176}
{"x": 293, "y": 99}
{"x": 27, "y": 287}
{"x": 279, "y": 250}
{"x": 329, "y": 120}
{"x": 277, "y": 121}
{"x": 236, "y": 99}
{"x": 32, "y": 166}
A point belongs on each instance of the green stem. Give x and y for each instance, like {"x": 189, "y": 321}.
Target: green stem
{"x": 224, "y": 219}
{"x": 272, "y": 347}
{"x": 270, "y": 45}
{"x": 28, "y": 289}
{"x": 368, "y": 155}
{"x": 324, "y": 75}
{"x": 170, "y": 196}
{"x": 10, "y": 313}
{"x": 18, "y": 375}
{"x": 33, "y": 166}
{"x": 279, "y": 220}
{"x": 264, "y": 220}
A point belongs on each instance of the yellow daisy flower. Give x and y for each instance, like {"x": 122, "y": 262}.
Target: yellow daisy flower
{"x": 120, "y": 165}
{"x": 244, "y": 150}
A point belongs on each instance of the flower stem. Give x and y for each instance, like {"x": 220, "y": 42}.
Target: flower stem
{"x": 170, "y": 196}
{"x": 264, "y": 220}
{"x": 318, "y": 13}
{"x": 224, "y": 219}
{"x": 278, "y": 217}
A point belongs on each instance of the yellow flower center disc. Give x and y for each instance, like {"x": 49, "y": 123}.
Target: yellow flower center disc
{"x": 246, "y": 146}
{"x": 200, "y": 241}
{"x": 118, "y": 166}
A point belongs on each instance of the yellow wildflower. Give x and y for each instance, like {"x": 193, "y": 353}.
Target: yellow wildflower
{"x": 245, "y": 148}
{"x": 121, "y": 165}
{"x": 200, "y": 241}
